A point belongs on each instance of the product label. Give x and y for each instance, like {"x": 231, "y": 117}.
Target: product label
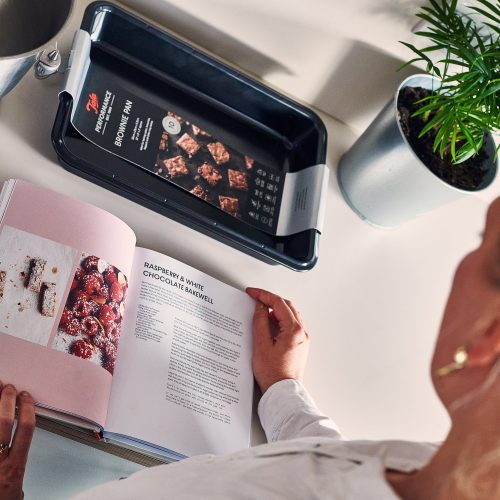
{"x": 163, "y": 141}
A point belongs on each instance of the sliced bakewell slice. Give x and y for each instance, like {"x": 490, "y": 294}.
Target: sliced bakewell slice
{"x": 3, "y": 279}
{"x": 48, "y": 299}
{"x": 37, "y": 267}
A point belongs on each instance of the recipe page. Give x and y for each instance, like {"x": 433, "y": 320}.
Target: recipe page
{"x": 183, "y": 379}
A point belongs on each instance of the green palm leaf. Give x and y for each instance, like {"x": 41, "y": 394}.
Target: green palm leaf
{"x": 467, "y": 103}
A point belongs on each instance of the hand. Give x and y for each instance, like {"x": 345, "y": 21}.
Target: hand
{"x": 13, "y": 460}
{"x": 280, "y": 342}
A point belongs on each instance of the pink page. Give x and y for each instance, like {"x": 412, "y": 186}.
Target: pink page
{"x": 63, "y": 280}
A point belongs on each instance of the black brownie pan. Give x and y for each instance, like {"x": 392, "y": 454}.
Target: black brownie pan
{"x": 253, "y": 118}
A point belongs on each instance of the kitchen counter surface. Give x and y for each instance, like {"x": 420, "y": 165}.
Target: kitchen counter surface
{"x": 373, "y": 303}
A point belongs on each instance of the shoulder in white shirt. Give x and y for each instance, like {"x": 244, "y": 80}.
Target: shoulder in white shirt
{"x": 305, "y": 458}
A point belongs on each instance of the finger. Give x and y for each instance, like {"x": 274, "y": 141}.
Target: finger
{"x": 282, "y": 312}
{"x": 298, "y": 317}
{"x": 294, "y": 311}
{"x": 24, "y": 431}
{"x": 261, "y": 327}
{"x": 272, "y": 316}
{"x": 7, "y": 413}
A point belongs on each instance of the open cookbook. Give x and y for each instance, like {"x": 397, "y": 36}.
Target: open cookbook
{"x": 107, "y": 336}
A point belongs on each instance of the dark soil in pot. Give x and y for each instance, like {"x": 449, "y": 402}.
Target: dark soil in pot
{"x": 467, "y": 175}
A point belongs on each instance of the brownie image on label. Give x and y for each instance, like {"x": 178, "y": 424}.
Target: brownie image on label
{"x": 209, "y": 173}
{"x": 219, "y": 152}
{"x": 177, "y": 117}
{"x": 249, "y": 162}
{"x": 188, "y": 144}
{"x": 199, "y": 131}
{"x": 207, "y": 153}
{"x": 176, "y": 166}
{"x": 164, "y": 142}
{"x": 200, "y": 192}
{"x": 230, "y": 205}
{"x": 237, "y": 180}
{"x": 214, "y": 171}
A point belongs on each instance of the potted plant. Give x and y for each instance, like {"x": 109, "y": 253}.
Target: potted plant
{"x": 433, "y": 142}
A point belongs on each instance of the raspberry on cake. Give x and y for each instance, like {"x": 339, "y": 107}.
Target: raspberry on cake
{"x": 79, "y": 274}
{"x": 110, "y": 277}
{"x": 73, "y": 327}
{"x": 93, "y": 311}
{"x": 82, "y": 349}
{"x": 66, "y": 317}
{"x": 113, "y": 332}
{"x": 99, "y": 339}
{"x": 176, "y": 166}
{"x": 110, "y": 350}
{"x": 90, "y": 263}
{"x": 117, "y": 309}
{"x": 75, "y": 295}
{"x": 92, "y": 283}
{"x": 91, "y": 326}
{"x": 116, "y": 293}
{"x": 103, "y": 295}
{"x": 219, "y": 152}
{"x": 209, "y": 173}
{"x": 106, "y": 315}
{"x": 109, "y": 357}
{"x": 82, "y": 307}
{"x": 109, "y": 364}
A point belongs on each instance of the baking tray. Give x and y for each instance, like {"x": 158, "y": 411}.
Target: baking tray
{"x": 252, "y": 117}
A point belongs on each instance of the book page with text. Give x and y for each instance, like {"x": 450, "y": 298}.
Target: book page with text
{"x": 183, "y": 379}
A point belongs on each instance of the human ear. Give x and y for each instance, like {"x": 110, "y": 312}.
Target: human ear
{"x": 484, "y": 349}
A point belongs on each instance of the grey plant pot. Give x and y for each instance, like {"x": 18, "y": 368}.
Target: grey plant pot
{"x": 385, "y": 182}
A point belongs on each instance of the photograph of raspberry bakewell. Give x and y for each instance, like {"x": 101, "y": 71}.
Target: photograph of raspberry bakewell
{"x": 34, "y": 272}
{"x": 90, "y": 323}
{"x": 193, "y": 159}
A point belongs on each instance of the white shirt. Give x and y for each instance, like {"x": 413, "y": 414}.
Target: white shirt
{"x": 305, "y": 458}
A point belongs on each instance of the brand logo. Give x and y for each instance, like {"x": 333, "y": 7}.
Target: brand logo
{"x": 92, "y": 103}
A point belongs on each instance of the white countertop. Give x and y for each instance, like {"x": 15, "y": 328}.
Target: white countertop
{"x": 373, "y": 302}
